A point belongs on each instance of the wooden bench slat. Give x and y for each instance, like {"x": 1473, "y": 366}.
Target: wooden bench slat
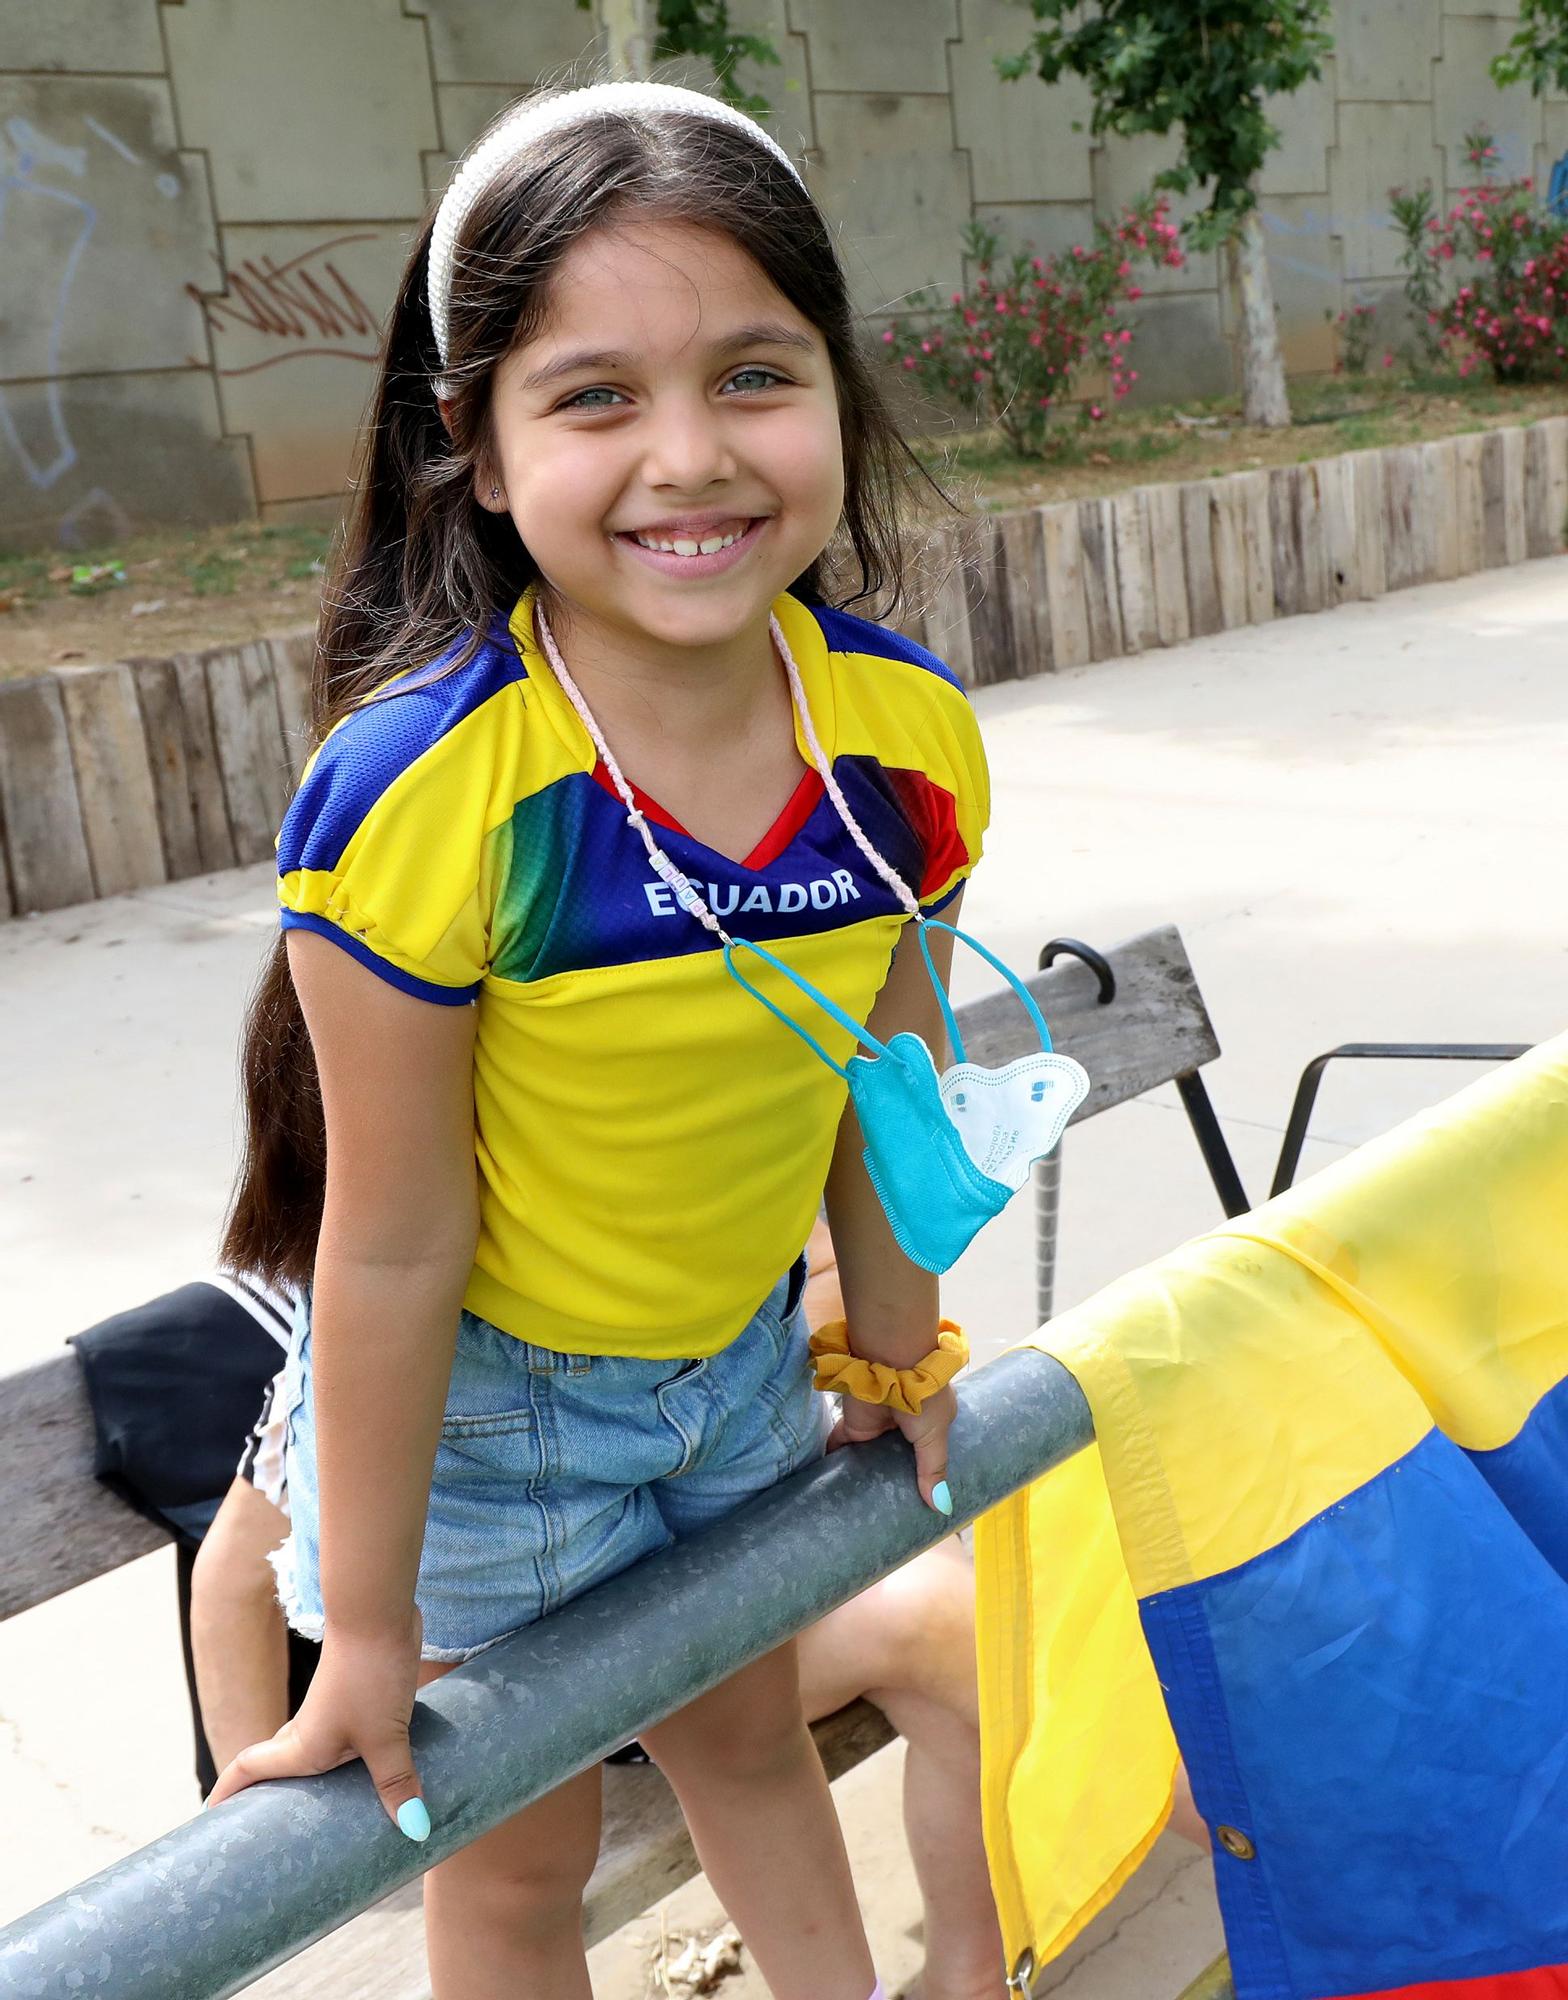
{"x": 62, "y": 1526}
{"x": 1155, "y": 1029}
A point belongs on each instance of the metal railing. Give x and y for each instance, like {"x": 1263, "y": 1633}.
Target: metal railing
{"x": 1307, "y": 1089}
{"x": 212, "y": 1905}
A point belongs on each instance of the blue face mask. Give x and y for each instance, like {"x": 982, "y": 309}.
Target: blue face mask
{"x": 945, "y": 1153}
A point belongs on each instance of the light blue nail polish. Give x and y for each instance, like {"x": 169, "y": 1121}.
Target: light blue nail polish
{"x": 941, "y": 1497}
{"x": 413, "y": 1819}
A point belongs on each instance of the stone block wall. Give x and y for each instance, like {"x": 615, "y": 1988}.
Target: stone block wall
{"x": 205, "y": 205}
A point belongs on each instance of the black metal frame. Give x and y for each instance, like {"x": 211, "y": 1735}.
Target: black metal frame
{"x": 1199, "y": 1107}
{"x": 1217, "y": 1156}
{"x": 1307, "y": 1089}
{"x": 1194, "y": 1091}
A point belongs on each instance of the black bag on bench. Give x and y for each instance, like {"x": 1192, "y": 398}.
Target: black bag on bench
{"x": 174, "y": 1386}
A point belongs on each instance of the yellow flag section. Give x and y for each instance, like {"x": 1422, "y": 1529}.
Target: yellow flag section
{"x": 1078, "y": 1754}
{"x": 1325, "y": 1535}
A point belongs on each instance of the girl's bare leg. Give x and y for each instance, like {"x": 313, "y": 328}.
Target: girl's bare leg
{"x": 504, "y": 1916}
{"x": 239, "y": 1641}
{"x": 1185, "y": 1817}
{"x": 755, "y": 1796}
{"x": 908, "y": 1645}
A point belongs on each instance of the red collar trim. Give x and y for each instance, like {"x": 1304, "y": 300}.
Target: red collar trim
{"x": 798, "y": 808}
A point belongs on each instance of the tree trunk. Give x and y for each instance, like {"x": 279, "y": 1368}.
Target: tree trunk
{"x": 629, "y": 35}
{"x": 1263, "y": 397}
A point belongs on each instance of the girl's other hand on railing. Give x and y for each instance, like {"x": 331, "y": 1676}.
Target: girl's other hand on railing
{"x": 358, "y": 1705}
{"x": 859, "y": 1423}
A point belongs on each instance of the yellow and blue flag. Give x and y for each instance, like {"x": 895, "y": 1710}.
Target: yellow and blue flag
{"x": 1322, "y": 1547}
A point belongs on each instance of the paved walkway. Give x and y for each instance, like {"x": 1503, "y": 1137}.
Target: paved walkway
{"x": 1356, "y": 821}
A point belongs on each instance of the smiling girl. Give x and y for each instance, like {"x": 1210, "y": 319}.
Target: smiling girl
{"x": 540, "y": 1165}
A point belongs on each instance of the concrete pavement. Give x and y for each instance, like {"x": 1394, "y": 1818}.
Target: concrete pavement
{"x": 1357, "y": 821}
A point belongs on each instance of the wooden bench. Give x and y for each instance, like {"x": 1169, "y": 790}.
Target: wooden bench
{"x": 1135, "y": 1019}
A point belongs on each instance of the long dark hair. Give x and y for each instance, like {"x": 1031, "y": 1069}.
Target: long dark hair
{"x": 421, "y": 567}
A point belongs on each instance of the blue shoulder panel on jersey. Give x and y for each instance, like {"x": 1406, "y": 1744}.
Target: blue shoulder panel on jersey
{"x": 846, "y": 633}
{"x": 377, "y": 743}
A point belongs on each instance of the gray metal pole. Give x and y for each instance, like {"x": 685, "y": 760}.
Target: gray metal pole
{"x": 1047, "y": 1230}
{"x": 232, "y": 1893}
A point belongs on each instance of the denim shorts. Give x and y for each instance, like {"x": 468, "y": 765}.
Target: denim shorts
{"x": 554, "y": 1471}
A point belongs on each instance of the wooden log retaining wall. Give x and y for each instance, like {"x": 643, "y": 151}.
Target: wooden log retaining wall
{"x": 148, "y": 770}
{"x": 1061, "y": 585}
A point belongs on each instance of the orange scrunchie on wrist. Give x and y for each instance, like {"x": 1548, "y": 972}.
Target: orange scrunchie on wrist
{"x": 904, "y": 1389}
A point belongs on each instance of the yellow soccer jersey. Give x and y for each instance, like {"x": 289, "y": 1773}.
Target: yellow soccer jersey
{"x": 652, "y": 1143}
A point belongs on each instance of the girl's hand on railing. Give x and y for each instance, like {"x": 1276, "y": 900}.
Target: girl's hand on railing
{"x": 358, "y": 1705}
{"x": 859, "y": 1423}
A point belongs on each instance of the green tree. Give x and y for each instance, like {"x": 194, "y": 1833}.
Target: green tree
{"x": 1202, "y": 68}
{"x": 642, "y": 33}
{"x": 1538, "y": 53}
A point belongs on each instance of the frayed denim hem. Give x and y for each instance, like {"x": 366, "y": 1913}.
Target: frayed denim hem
{"x": 309, "y": 1625}
{"x": 454, "y": 1656}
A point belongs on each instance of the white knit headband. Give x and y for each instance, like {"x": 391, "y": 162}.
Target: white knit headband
{"x": 518, "y": 131}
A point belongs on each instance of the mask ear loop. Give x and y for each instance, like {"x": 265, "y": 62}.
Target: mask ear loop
{"x": 991, "y": 959}
{"x": 889, "y": 874}
{"x": 894, "y": 881}
{"x": 829, "y": 1007}
{"x": 955, "y": 1040}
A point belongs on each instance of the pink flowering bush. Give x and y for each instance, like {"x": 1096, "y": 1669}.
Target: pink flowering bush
{"x": 1355, "y": 340}
{"x": 1009, "y": 349}
{"x": 1488, "y": 280}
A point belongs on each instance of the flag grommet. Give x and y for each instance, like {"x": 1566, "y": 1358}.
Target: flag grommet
{"x": 1235, "y": 1842}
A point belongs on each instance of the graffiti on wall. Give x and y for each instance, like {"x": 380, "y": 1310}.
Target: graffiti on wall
{"x": 60, "y": 220}
{"x": 302, "y": 307}
{"x": 69, "y": 186}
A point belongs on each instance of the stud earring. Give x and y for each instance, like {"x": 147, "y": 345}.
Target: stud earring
{"x": 495, "y": 493}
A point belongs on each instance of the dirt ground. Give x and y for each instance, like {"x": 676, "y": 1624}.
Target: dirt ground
{"x": 174, "y": 591}
{"x": 1203, "y": 440}
{"x": 181, "y": 589}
